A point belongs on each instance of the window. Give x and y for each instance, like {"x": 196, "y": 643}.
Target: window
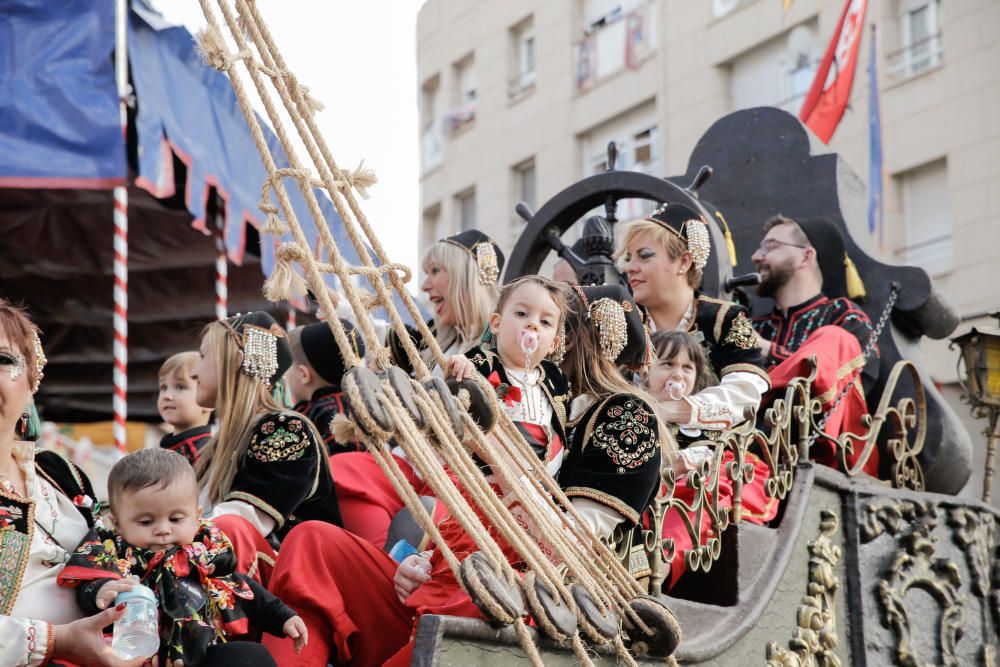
{"x": 431, "y": 135}
{"x": 525, "y": 190}
{"x": 465, "y": 209}
{"x": 431, "y": 230}
{"x": 463, "y": 102}
{"x": 617, "y": 34}
{"x": 522, "y": 58}
{"x": 927, "y": 218}
{"x": 778, "y": 72}
{"x": 920, "y": 28}
{"x": 637, "y": 139}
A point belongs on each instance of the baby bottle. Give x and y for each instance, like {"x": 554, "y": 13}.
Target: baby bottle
{"x": 136, "y": 633}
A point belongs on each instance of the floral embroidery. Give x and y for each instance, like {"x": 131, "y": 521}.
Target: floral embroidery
{"x": 182, "y": 577}
{"x": 279, "y": 439}
{"x": 740, "y": 333}
{"x": 627, "y": 435}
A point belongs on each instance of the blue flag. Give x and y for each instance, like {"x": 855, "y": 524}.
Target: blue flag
{"x": 876, "y": 177}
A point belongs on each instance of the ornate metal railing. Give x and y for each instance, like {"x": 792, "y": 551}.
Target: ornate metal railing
{"x": 783, "y": 438}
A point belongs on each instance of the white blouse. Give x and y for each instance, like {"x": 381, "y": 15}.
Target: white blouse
{"x": 59, "y": 528}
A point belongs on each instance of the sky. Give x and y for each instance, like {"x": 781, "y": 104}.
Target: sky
{"x": 359, "y": 60}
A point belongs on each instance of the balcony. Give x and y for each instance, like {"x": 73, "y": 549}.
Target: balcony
{"x": 620, "y": 42}
{"x": 920, "y": 56}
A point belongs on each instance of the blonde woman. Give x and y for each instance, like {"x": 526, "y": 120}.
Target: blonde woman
{"x": 265, "y": 469}
{"x": 663, "y": 256}
{"x": 461, "y": 284}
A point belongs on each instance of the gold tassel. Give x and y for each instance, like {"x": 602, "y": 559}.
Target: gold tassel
{"x": 855, "y": 286}
{"x": 730, "y": 245}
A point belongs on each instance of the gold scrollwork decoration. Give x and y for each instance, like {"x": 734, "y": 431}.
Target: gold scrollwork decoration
{"x": 816, "y": 635}
{"x": 913, "y": 567}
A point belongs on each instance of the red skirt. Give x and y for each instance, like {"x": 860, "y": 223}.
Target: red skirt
{"x": 756, "y": 507}
{"x": 839, "y": 364}
{"x": 254, "y": 555}
{"x": 368, "y": 501}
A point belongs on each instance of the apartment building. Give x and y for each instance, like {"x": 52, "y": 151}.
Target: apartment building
{"x": 518, "y": 99}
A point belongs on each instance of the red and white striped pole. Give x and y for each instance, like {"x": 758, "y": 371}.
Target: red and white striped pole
{"x": 120, "y": 399}
{"x": 221, "y": 272}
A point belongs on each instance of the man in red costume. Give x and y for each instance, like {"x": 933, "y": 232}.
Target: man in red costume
{"x": 804, "y": 267}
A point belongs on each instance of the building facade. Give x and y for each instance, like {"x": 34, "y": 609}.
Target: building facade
{"x": 518, "y": 99}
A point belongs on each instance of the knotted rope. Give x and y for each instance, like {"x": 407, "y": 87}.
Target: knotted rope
{"x": 589, "y": 561}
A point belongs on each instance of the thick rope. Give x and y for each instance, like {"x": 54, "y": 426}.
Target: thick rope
{"x": 339, "y": 185}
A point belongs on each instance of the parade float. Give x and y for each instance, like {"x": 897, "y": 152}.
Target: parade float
{"x": 853, "y": 570}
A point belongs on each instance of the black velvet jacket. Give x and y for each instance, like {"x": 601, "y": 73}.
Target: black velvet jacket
{"x": 614, "y": 455}
{"x": 187, "y": 443}
{"x": 552, "y": 381}
{"x": 325, "y": 404}
{"x": 285, "y": 473}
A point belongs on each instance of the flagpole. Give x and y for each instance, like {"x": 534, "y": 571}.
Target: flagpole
{"x": 120, "y": 398}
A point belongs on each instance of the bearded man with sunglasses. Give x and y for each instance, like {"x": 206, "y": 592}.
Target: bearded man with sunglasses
{"x": 804, "y": 267}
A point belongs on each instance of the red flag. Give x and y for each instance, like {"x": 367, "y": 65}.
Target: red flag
{"x": 831, "y": 89}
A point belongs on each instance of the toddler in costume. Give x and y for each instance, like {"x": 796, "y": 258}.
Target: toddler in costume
{"x": 161, "y": 542}
{"x": 179, "y": 408}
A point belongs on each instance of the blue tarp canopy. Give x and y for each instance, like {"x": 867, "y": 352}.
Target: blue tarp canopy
{"x": 190, "y": 162}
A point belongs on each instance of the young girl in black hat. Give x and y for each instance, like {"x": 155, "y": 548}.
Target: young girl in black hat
{"x": 265, "y": 468}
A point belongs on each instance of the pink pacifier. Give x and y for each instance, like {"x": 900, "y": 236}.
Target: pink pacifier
{"x": 528, "y": 340}
{"x": 675, "y": 389}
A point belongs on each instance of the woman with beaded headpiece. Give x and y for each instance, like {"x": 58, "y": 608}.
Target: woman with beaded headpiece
{"x": 266, "y": 468}
{"x": 663, "y": 256}
{"x": 461, "y": 284}
{"x": 45, "y": 509}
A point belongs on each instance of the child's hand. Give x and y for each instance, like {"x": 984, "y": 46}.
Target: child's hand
{"x": 295, "y": 628}
{"x": 460, "y": 367}
{"x": 109, "y": 591}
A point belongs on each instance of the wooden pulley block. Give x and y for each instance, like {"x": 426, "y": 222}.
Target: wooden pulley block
{"x": 598, "y": 625}
{"x": 402, "y": 385}
{"x": 666, "y": 632}
{"x": 554, "y": 616}
{"x": 499, "y": 601}
{"x": 480, "y": 407}
{"x": 437, "y": 386}
{"x": 360, "y": 382}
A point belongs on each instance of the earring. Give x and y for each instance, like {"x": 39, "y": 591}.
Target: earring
{"x": 22, "y": 424}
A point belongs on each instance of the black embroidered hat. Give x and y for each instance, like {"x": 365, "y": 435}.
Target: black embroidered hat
{"x": 687, "y": 224}
{"x": 322, "y": 352}
{"x": 840, "y": 276}
{"x": 620, "y": 330}
{"x": 484, "y": 251}
{"x": 266, "y": 352}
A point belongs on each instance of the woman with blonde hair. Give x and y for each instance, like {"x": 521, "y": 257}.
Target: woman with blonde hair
{"x": 461, "y": 284}
{"x": 266, "y": 468}
{"x": 663, "y": 256}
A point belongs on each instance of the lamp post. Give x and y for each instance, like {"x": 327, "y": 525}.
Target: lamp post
{"x": 981, "y": 386}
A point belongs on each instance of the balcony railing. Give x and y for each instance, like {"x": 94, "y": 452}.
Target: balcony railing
{"x": 915, "y": 58}
{"x": 623, "y": 42}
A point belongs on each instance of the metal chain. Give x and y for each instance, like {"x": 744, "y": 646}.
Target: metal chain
{"x": 865, "y": 355}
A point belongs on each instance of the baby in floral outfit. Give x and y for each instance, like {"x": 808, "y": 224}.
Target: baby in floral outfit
{"x": 161, "y": 542}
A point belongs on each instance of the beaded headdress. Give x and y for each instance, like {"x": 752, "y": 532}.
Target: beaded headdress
{"x": 40, "y": 362}
{"x": 266, "y": 353}
{"x": 618, "y": 323}
{"x": 689, "y": 226}
{"x": 489, "y": 259}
